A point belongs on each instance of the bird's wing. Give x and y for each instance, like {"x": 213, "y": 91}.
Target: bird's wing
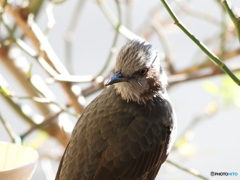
{"x": 60, "y": 166}
{"x": 81, "y": 156}
{"x": 138, "y": 154}
{"x": 115, "y": 140}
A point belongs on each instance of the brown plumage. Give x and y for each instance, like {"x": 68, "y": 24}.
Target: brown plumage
{"x": 127, "y": 132}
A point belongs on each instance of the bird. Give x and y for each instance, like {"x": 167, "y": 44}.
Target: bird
{"x": 125, "y": 133}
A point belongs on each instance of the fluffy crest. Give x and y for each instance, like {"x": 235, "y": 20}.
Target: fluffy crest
{"x": 139, "y": 73}
{"x": 136, "y": 55}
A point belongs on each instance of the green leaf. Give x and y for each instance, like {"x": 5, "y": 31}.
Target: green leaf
{"x": 211, "y": 88}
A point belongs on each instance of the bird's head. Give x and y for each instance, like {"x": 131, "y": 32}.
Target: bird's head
{"x": 138, "y": 73}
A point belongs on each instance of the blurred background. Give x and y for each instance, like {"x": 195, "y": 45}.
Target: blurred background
{"x": 55, "y": 56}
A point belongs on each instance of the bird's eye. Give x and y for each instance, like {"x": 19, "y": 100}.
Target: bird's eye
{"x": 143, "y": 71}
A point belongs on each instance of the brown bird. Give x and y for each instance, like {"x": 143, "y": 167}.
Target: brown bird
{"x": 126, "y": 133}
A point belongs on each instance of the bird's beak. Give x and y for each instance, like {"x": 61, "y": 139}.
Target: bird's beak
{"x": 116, "y": 78}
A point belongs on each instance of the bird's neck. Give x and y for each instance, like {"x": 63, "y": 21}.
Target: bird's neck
{"x": 129, "y": 93}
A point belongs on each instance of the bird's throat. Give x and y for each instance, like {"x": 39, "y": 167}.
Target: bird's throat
{"x": 129, "y": 93}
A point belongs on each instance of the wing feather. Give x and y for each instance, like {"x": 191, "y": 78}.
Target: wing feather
{"x": 129, "y": 144}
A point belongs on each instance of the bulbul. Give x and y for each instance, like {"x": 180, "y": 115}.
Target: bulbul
{"x": 126, "y": 133}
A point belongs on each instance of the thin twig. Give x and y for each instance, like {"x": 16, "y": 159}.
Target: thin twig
{"x": 184, "y": 5}
{"x": 165, "y": 43}
{"x": 50, "y": 17}
{"x": 235, "y": 20}
{"x": 9, "y": 129}
{"x": 200, "y": 74}
{"x": 115, "y": 39}
{"x": 223, "y": 36}
{"x": 45, "y": 101}
{"x": 71, "y": 32}
{"x": 115, "y": 22}
{"x": 58, "y": 1}
{"x": 129, "y": 13}
{"x": 207, "y": 64}
{"x": 27, "y": 82}
{"x": 17, "y": 108}
{"x": 191, "y": 171}
{"x": 194, "y": 122}
{"x": 73, "y": 78}
{"x": 46, "y": 121}
{"x": 96, "y": 86}
{"x": 210, "y": 54}
{"x": 49, "y": 57}
{"x": 54, "y": 129}
{"x": 34, "y": 7}
{"x": 28, "y": 49}
{"x": 2, "y": 7}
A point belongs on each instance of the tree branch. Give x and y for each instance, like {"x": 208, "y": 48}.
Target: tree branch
{"x": 191, "y": 171}
{"x": 34, "y": 33}
{"x": 210, "y": 54}
{"x": 115, "y": 22}
{"x": 235, "y": 20}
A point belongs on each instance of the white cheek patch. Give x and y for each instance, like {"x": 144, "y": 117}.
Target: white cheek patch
{"x": 127, "y": 92}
